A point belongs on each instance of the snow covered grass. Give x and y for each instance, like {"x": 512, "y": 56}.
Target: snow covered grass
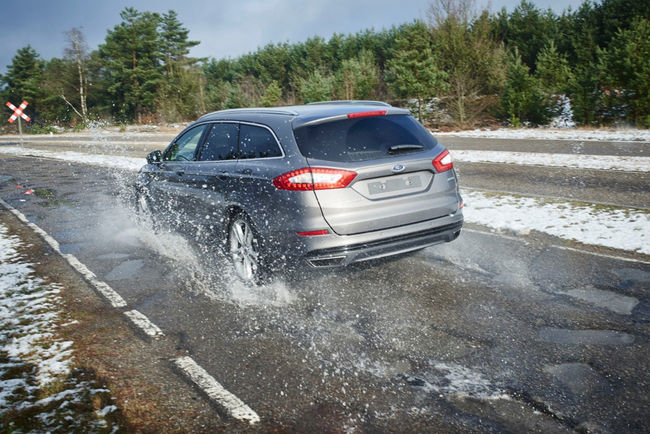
{"x": 622, "y": 135}
{"x": 39, "y": 388}
{"x": 608, "y": 226}
{"x": 599, "y": 162}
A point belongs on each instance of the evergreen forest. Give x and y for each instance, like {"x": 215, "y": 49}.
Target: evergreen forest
{"x": 460, "y": 67}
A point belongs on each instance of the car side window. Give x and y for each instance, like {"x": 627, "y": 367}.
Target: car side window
{"x": 257, "y": 142}
{"x": 184, "y": 147}
{"x": 221, "y": 143}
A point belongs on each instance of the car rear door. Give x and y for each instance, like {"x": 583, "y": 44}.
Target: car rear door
{"x": 212, "y": 177}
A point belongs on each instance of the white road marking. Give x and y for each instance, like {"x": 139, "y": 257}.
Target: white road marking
{"x": 223, "y": 399}
{"x": 555, "y": 246}
{"x": 144, "y": 324}
{"x": 102, "y": 288}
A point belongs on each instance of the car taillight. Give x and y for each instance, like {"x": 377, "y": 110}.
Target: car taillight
{"x": 314, "y": 178}
{"x": 314, "y": 233}
{"x": 443, "y": 162}
{"x": 367, "y": 114}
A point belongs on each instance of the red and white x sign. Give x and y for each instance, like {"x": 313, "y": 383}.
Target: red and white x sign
{"x": 18, "y": 111}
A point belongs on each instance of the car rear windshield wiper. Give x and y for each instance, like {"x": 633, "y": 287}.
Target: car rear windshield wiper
{"x": 404, "y": 148}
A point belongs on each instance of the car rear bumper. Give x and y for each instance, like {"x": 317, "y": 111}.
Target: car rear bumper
{"x": 385, "y": 244}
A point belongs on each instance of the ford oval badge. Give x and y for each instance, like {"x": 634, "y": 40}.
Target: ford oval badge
{"x": 398, "y": 168}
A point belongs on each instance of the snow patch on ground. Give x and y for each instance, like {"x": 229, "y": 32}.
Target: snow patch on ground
{"x": 623, "y": 135}
{"x": 608, "y": 226}
{"x": 598, "y": 162}
{"x": 112, "y": 161}
{"x": 36, "y": 385}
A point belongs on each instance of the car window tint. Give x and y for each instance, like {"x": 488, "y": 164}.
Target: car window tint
{"x": 257, "y": 142}
{"x": 362, "y": 139}
{"x": 184, "y": 147}
{"x": 221, "y": 143}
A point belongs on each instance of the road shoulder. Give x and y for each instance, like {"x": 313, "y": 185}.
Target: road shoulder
{"x": 149, "y": 395}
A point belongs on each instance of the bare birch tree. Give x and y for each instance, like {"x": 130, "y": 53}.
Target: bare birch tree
{"x": 77, "y": 50}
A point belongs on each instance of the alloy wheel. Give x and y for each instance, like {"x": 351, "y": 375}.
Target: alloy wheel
{"x": 244, "y": 250}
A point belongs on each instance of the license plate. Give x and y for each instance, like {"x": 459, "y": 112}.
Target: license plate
{"x": 396, "y": 183}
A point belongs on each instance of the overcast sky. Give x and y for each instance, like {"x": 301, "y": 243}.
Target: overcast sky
{"x": 224, "y": 28}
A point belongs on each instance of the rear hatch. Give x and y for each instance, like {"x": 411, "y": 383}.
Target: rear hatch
{"x": 396, "y": 183}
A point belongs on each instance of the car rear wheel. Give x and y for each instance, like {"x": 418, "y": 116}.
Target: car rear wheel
{"x": 244, "y": 249}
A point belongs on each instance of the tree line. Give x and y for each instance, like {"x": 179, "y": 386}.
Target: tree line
{"x": 461, "y": 66}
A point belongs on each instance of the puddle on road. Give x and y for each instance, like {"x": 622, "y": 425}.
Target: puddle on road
{"x": 579, "y": 378}
{"x": 617, "y": 303}
{"x": 585, "y": 337}
{"x": 453, "y": 379}
{"x": 111, "y": 256}
{"x": 72, "y": 248}
{"x": 633, "y": 275}
{"x": 67, "y": 236}
{"x": 125, "y": 270}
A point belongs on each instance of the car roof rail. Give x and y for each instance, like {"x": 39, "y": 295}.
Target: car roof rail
{"x": 275, "y": 111}
{"x": 350, "y": 102}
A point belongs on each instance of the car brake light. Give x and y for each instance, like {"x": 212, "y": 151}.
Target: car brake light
{"x": 313, "y": 233}
{"x": 314, "y": 178}
{"x": 367, "y": 114}
{"x": 443, "y": 162}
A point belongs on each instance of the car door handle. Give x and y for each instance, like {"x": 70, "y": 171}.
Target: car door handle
{"x": 223, "y": 175}
{"x": 180, "y": 173}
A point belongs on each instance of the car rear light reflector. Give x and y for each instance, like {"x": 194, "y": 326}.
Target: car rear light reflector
{"x": 314, "y": 233}
{"x": 314, "y": 178}
{"x": 367, "y": 114}
{"x": 443, "y": 162}
{"x": 460, "y": 205}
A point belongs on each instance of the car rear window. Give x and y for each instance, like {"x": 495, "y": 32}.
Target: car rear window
{"x": 362, "y": 139}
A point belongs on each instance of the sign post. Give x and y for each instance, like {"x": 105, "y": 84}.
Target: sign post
{"x": 18, "y": 112}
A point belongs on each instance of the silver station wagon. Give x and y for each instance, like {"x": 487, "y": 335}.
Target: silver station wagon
{"x": 324, "y": 185}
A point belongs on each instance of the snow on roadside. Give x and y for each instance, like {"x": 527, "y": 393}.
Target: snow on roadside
{"x": 619, "y": 228}
{"x": 37, "y": 390}
{"x": 623, "y": 135}
{"x": 113, "y": 161}
{"x": 579, "y": 161}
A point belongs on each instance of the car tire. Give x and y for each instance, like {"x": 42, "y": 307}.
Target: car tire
{"x": 245, "y": 251}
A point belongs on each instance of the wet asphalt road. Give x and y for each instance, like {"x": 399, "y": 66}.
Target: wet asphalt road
{"x": 489, "y": 333}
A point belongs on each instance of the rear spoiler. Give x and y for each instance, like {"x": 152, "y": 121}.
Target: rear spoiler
{"x": 384, "y": 111}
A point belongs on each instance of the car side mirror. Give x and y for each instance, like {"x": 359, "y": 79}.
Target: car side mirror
{"x": 154, "y": 158}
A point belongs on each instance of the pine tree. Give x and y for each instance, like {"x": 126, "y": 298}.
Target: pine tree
{"x": 179, "y": 92}
{"x": 175, "y": 43}
{"x": 133, "y": 63}
{"x": 522, "y": 100}
{"x": 273, "y": 95}
{"x": 316, "y": 87}
{"x": 553, "y": 69}
{"x": 359, "y": 76}
{"x": 627, "y": 65}
{"x": 22, "y": 80}
{"x": 412, "y": 71}
{"x": 474, "y": 61}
